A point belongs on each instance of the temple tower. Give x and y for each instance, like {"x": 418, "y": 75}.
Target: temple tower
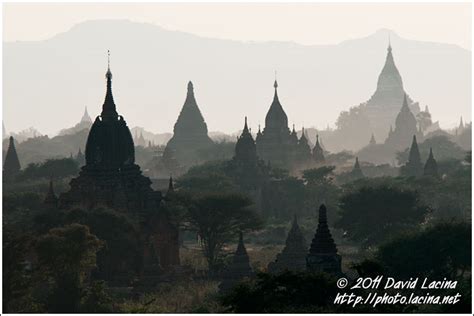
{"x": 382, "y": 108}
{"x": 356, "y": 170}
{"x": 51, "y": 200}
{"x": 323, "y": 256}
{"x": 275, "y": 144}
{"x": 245, "y": 148}
{"x": 85, "y": 117}
{"x": 293, "y": 255}
{"x": 11, "y": 166}
{"x": 318, "y": 152}
{"x": 303, "y": 152}
{"x": 110, "y": 178}
{"x": 413, "y": 167}
{"x": 238, "y": 270}
{"x": 431, "y": 167}
{"x": 190, "y": 133}
{"x": 405, "y": 127}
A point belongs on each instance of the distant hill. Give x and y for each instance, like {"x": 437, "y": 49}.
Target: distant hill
{"x": 47, "y": 83}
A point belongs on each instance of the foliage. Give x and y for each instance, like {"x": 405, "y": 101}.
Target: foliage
{"x": 176, "y": 297}
{"x": 217, "y": 218}
{"x": 58, "y": 168}
{"x": 208, "y": 177}
{"x": 320, "y": 189}
{"x": 283, "y": 198}
{"x": 17, "y": 285}
{"x": 442, "y": 250}
{"x": 371, "y": 214}
{"x": 66, "y": 255}
{"x": 288, "y": 292}
{"x": 96, "y": 299}
{"x": 318, "y": 176}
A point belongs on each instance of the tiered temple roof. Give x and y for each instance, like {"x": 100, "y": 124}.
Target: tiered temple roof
{"x": 189, "y": 133}
{"x": 293, "y": 255}
{"x": 323, "y": 255}
{"x": 431, "y": 167}
{"x": 413, "y": 167}
{"x": 318, "y": 152}
{"x": 11, "y": 166}
{"x": 239, "y": 268}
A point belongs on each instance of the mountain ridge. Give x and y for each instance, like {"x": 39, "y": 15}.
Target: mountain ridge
{"x": 235, "y": 73}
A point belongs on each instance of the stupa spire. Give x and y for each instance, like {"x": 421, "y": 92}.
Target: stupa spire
{"x": 11, "y": 166}
{"x": 323, "y": 255}
{"x": 293, "y": 255}
{"x": 51, "y": 198}
{"x": 431, "y": 166}
{"x": 318, "y": 153}
{"x": 109, "y": 108}
{"x": 239, "y": 268}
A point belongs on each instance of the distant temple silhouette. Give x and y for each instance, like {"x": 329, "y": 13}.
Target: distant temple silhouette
{"x": 276, "y": 144}
{"x": 11, "y": 165}
{"x": 112, "y": 179}
{"x": 189, "y": 133}
{"x": 405, "y": 128}
{"x": 384, "y": 105}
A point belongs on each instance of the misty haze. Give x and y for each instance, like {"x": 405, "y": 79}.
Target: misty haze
{"x": 150, "y": 170}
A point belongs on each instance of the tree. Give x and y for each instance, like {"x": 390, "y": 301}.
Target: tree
{"x": 217, "y": 218}
{"x": 66, "y": 256}
{"x": 318, "y": 176}
{"x": 208, "y": 177}
{"x": 372, "y": 214}
{"x": 288, "y": 292}
{"x": 442, "y": 250}
{"x": 52, "y": 167}
{"x": 320, "y": 189}
{"x": 443, "y": 149}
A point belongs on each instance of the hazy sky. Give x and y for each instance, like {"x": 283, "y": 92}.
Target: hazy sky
{"x": 304, "y": 23}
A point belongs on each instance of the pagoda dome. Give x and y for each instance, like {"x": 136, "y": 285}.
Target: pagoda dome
{"x": 110, "y": 143}
{"x": 276, "y": 117}
{"x": 405, "y": 118}
{"x": 390, "y": 78}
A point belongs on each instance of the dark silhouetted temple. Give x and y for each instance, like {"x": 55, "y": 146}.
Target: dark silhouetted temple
{"x": 189, "y": 133}
{"x": 323, "y": 256}
{"x": 110, "y": 178}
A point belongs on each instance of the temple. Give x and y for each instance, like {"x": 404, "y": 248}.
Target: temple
{"x": 110, "y": 178}
{"x": 293, "y": 255}
{"x": 356, "y": 172}
{"x": 323, "y": 256}
{"x": 405, "y": 128}
{"x": 303, "y": 152}
{"x": 238, "y": 270}
{"x": 11, "y": 165}
{"x": 431, "y": 166}
{"x": 318, "y": 152}
{"x": 51, "y": 200}
{"x": 382, "y": 108}
{"x": 275, "y": 143}
{"x": 189, "y": 134}
{"x": 413, "y": 167}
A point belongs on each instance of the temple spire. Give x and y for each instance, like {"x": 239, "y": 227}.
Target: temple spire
{"x": 246, "y": 129}
{"x": 51, "y": 198}
{"x": 323, "y": 255}
{"x": 275, "y": 85}
{"x": 86, "y": 117}
{"x": 11, "y": 166}
{"x": 109, "y": 109}
{"x": 431, "y": 167}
